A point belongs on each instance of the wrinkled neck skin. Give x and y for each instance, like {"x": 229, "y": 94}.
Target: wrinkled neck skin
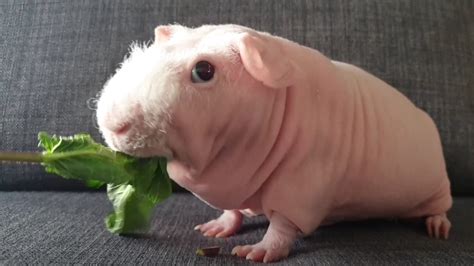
{"x": 224, "y": 161}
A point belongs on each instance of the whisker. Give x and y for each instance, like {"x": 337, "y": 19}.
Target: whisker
{"x": 94, "y": 121}
{"x": 92, "y": 103}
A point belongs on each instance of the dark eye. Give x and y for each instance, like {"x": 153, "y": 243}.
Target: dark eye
{"x": 203, "y": 71}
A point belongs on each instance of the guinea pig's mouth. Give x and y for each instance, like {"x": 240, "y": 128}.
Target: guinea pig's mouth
{"x": 139, "y": 145}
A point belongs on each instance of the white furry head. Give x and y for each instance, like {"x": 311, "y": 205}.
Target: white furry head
{"x": 153, "y": 93}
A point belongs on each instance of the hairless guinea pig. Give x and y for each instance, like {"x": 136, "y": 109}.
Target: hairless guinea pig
{"x": 256, "y": 124}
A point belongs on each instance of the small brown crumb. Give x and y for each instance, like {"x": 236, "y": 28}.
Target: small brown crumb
{"x": 208, "y": 251}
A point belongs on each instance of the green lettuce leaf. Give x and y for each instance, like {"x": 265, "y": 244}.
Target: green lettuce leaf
{"x": 126, "y": 201}
{"x": 134, "y": 185}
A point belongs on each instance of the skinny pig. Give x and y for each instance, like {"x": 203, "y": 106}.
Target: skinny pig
{"x": 256, "y": 124}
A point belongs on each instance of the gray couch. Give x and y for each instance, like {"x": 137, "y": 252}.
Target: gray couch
{"x": 55, "y": 55}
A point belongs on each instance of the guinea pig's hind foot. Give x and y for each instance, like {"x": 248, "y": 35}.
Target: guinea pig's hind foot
{"x": 226, "y": 225}
{"x": 438, "y": 226}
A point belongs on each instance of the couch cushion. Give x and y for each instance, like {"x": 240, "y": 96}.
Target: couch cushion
{"x": 67, "y": 227}
{"x": 55, "y": 55}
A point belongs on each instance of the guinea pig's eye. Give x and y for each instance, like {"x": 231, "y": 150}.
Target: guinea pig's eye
{"x": 203, "y": 71}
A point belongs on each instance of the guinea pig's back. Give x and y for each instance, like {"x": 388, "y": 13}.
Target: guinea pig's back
{"x": 397, "y": 161}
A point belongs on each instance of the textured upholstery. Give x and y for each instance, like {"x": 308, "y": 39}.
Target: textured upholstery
{"x": 67, "y": 228}
{"x": 55, "y": 55}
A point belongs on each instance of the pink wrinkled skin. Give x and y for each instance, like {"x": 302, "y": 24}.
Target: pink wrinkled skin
{"x": 280, "y": 130}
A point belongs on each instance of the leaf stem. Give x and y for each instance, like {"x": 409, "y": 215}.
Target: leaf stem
{"x": 34, "y": 157}
{"x": 69, "y": 154}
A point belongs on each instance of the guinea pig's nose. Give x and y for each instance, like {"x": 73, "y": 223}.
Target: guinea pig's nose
{"x": 121, "y": 122}
{"x": 123, "y": 129}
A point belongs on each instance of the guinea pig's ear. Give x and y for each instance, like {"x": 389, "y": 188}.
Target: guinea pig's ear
{"x": 263, "y": 57}
{"x": 163, "y": 33}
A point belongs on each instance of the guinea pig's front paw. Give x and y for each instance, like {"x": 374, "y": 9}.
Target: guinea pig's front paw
{"x": 263, "y": 251}
{"x": 276, "y": 243}
{"x": 226, "y": 225}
